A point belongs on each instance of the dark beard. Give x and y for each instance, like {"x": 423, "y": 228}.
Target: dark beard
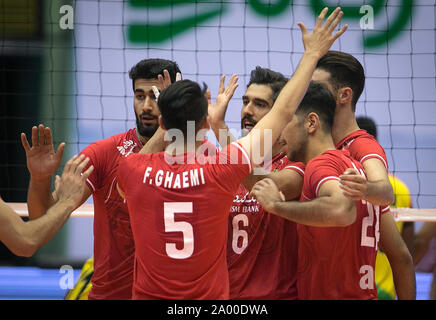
{"x": 244, "y": 131}
{"x": 298, "y": 154}
{"x": 145, "y": 131}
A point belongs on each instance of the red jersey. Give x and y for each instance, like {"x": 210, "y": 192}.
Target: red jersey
{"x": 113, "y": 241}
{"x": 262, "y": 247}
{"x": 363, "y": 146}
{"x": 337, "y": 262}
{"x": 179, "y": 214}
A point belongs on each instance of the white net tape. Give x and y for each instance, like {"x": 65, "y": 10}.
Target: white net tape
{"x": 84, "y": 211}
{"x": 399, "y": 214}
{"x": 411, "y": 214}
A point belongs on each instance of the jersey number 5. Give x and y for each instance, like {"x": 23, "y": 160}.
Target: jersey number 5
{"x": 170, "y": 208}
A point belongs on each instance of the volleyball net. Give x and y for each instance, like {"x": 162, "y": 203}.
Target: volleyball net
{"x": 65, "y": 64}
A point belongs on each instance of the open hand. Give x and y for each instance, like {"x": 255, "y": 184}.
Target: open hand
{"x": 42, "y": 160}
{"x": 217, "y": 111}
{"x": 165, "y": 82}
{"x": 321, "y": 39}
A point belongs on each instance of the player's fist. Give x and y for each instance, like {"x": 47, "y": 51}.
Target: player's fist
{"x": 267, "y": 194}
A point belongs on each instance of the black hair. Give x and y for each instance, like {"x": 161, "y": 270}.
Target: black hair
{"x": 151, "y": 68}
{"x": 367, "y": 124}
{"x": 318, "y": 99}
{"x": 181, "y": 102}
{"x": 275, "y": 80}
{"x": 345, "y": 71}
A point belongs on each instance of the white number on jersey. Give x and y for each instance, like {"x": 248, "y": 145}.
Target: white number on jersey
{"x": 239, "y": 233}
{"x": 170, "y": 208}
{"x": 367, "y": 222}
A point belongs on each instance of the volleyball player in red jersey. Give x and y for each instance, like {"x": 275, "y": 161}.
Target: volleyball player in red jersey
{"x": 338, "y": 238}
{"x": 113, "y": 241}
{"x": 344, "y": 76}
{"x": 180, "y": 239}
{"x": 261, "y": 248}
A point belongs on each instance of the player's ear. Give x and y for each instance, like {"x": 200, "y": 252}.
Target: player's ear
{"x": 344, "y": 96}
{"x": 312, "y": 122}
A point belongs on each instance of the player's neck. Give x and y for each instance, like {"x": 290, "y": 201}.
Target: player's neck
{"x": 318, "y": 145}
{"x": 276, "y": 148}
{"x": 179, "y": 148}
{"x": 142, "y": 139}
{"x": 344, "y": 123}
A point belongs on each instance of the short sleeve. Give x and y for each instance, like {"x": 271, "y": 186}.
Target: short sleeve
{"x": 321, "y": 170}
{"x": 123, "y": 171}
{"x": 364, "y": 148}
{"x": 230, "y": 166}
{"x": 298, "y": 167}
{"x": 92, "y": 152}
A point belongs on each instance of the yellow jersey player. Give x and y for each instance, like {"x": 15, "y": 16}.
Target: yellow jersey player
{"x": 82, "y": 287}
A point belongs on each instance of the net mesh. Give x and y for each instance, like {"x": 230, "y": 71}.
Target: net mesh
{"x": 65, "y": 64}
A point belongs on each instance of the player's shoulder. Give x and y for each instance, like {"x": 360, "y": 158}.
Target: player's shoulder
{"x": 333, "y": 159}
{"x": 115, "y": 139}
{"x": 127, "y": 138}
{"x": 327, "y": 156}
{"x": 363, "y": 136}
{"x": 285, "y": 163}
{"x": 121, "y": 144}
{"x": 356, "y": 137}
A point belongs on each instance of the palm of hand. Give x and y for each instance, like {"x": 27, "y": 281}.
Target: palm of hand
{"x": 217, "y": 110}
{"x": 42, "y": 161}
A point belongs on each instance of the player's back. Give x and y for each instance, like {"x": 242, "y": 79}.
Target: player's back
{"x": 337, "y": 262}
{"x": 179, "y": 218}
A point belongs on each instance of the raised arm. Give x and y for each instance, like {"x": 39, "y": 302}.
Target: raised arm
{"x": 217, "y": 111}
{"x": 329, "y": 209}
{"x": 25, "y": 238}
{"x": 42, "y": 162}
{"x": 316, "y": 44}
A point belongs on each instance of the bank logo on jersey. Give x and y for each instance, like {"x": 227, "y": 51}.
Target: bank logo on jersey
{"x": 166, "y": 19}
{"x": 127, "y": 148}
{"x": 245, "y": 205}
